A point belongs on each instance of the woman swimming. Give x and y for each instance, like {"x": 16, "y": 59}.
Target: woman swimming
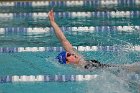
{"x": 70, "y": 56}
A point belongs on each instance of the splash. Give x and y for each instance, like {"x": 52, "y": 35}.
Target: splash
{"x": 107, "y": 83}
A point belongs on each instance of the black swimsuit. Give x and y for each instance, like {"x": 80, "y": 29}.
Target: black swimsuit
{"x": 94, "y": 64}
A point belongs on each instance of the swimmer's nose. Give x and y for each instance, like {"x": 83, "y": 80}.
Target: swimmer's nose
{"x": 76, "y": 56}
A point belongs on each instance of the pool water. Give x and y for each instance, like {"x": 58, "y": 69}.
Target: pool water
{"x": 21, "y": 41}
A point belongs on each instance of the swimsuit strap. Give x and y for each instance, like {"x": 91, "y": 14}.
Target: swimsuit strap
{"x": 96, "y": 64}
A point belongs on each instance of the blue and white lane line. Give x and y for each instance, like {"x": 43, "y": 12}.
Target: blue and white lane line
{"x": 69, "y": 3}
{"x": 90, "y": 29}
{"x": 98, "y": 14}
{"x": 58, "y": 49}
{"x": 46, "y": 78}
{"x": 53, "y": 78}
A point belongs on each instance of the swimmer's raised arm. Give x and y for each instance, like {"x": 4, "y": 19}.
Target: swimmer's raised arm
{"x": 66, "y": 44}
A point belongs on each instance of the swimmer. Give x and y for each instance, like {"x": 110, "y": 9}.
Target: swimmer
{"x": 70, "y": 56}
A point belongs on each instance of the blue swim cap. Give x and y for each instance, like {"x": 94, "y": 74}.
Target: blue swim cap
{"x": 62, "y": 57}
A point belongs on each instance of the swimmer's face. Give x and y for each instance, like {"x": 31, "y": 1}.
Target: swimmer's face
{"x": 72, "y": 58}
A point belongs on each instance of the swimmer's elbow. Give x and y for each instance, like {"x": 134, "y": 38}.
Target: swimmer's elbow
{"x": 67, "y": 46}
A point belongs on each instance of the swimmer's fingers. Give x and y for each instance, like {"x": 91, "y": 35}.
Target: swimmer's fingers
{"x": 51, "y": 15}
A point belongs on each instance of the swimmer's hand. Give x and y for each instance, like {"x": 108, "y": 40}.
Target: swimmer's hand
{"x": 51, "y": 16}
